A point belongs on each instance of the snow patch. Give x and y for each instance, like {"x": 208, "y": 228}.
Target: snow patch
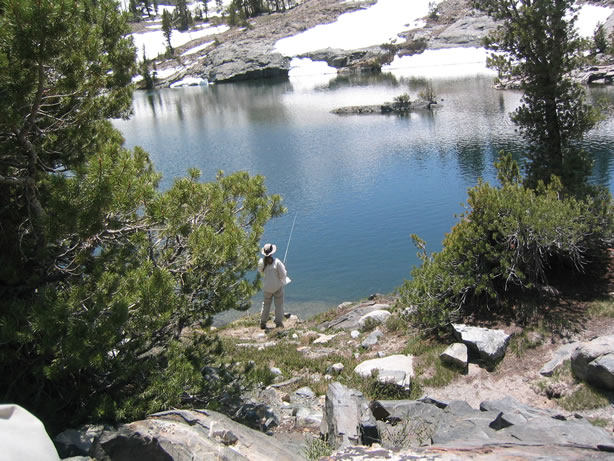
{"x": 588, "y": 18}
{"x": 189, "y": 81}
{"x": 305, "y": 74}
{"x": 166, "y": 73}
{"x": 305, "y": 66}
{"x": 198, "y": 48}
{"x": 380, "y": 23}
{"x": 154, "y": 42}
{"x": 444, "y": 63}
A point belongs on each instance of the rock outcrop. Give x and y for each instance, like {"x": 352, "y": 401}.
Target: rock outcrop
{"x": 249, "y": 53}
{"x": 505, "y": 427}
{"x": 244, "y": 60}
{"x": 559, "y": 357}
{"x": 387, "y": 108}
{"x": 489, "y": 345}
{"x": 396, "y": 370}
{"x": 593, "y": 362}
{"x": 182, "y": 435}
{"x": 347, "y": 418}
{"x": 456, "y": 355}
{"x": 483, "y": 453}
{"x": 353, "y": 61}
{"x": 350, "y": 320}
{"x": 603, "y": 74}
{"x": 467, "y": 31}
{"x": 376, "y": 317}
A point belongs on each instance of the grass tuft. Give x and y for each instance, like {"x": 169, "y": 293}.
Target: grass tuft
{"x": 585, "y": 397}
{"x": 601, "y": 308}
{"x": 317, "y": 448}
{"x": 599, "y": 422}
{"x": 528, "y": 339}
{"x": 396, "y": 324}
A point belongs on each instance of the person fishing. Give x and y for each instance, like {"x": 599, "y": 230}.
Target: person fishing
{"x": 275, "y": 278}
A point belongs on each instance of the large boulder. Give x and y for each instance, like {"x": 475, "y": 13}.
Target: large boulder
{"x": 593, "y": 362}
{"x": 182, "y": 435}
{"x": 559, "y": 357}
{"x": 347, "y": 419}
{"x": 394, "y": 369}
{"x": 489, "y": 345}
{"x": 456, "y": 355}
{"x": 497, "y": 423}
{"x": 308, "y": 417}
{"x": 74, "y": 442}
{"x": 23, "y": 436}
{"x": 349, "y": 320}
{"x": 245, "y": 60}
{"x": 376, "y": 317}
{"x": 360, "y": 60}
{"x": 371, "y": 339}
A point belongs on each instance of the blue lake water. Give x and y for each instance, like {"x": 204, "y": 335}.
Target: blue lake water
{"x": 359, "y": 186}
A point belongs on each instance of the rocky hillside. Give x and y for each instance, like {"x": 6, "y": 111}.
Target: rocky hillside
{"x": 248, "y": 52}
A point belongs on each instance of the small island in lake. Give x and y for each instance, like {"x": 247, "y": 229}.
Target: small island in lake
{"x": 387, "y": 108}
{"x": 402, "y": 104}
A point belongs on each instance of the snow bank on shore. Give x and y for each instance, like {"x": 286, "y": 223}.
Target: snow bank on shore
{"x": 380, "y": 23}
{"x": 444, "y": 63}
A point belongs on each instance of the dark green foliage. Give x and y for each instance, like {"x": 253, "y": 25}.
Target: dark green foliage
{"x": 505, "y": 249}
{"x": 134, "y": 12}
{"x": 148, "y": 78}
{"x": 241, "y": 10}
{"x": 428, "y": 93}
{"x": 600, "y": 40}
{"x": 433, "y": 11}
{"x": 183, "y": 17}
{"x": 105, "y": 282}
{"x": 167, "y": 29}
{"x": 537, "y": 43}
{"x": 402, "y": 102}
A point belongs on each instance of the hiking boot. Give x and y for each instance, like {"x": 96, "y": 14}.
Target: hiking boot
{"x": 263, "y": 326}
{"x": 279, "y": 325}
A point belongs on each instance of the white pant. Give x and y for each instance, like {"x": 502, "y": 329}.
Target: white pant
{"x": 279, "y": 306}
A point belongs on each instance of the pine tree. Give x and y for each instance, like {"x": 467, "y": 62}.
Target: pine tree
{"x": 101, "y": 273}
{"x": 537, "y": 42}
{"x": 145, "y": 72}
{"x": 183, "y": 15}
{"x": 167, "y": 29}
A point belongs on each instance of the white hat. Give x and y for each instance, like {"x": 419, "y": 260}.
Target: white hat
{"x": 268, "y": 249}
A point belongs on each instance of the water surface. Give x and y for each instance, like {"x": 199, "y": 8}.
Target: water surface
{"x": 359, "y": 186}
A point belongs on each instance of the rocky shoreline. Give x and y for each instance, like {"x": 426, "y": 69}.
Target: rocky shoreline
{"x": 282, "y": 420}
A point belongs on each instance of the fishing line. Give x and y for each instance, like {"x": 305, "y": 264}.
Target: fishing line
{"x": 291, "y": 230}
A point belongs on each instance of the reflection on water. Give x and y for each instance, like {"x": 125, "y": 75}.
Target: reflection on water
{"x": 360, "y": 185}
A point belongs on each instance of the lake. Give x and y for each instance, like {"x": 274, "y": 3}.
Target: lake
{"x": 358, "y": 185}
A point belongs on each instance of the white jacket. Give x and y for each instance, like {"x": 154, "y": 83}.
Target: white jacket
{"x": 274, "y": 275}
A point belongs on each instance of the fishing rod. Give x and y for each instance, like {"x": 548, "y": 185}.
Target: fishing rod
{"x": 291, "y": 230}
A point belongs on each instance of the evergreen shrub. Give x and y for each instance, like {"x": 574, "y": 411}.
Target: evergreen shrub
{"x": 505, "y": 248}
